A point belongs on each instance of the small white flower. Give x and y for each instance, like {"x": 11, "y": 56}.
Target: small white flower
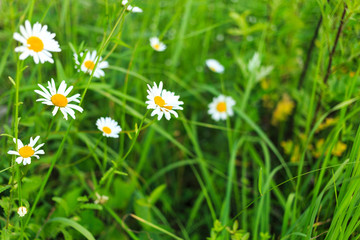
{"x": 25, "y": 152}
{"x": 101, "y": 199}
{"x": 157, "y": 45}
{"x": 88, "y": 65}
{"x": 59, "y": 98}
{"x": 22, "y": 211}
{"x": 109, "y": 127}
{"x": 163, "y": 102}
{"x": 131, "y": 8}
{"x": 215, "y": 66}
{"x": 221, "y": 107}
{"x": 37, "y": 42}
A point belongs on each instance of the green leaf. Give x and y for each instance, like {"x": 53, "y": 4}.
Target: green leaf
{"x": 73, "y": 224}
{"x": 260, "y": 182}
{"x": 91, "y": 206}
{"x": 154, "y": 196}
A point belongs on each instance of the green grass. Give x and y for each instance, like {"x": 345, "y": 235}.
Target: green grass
{"x": 247, "y": 177}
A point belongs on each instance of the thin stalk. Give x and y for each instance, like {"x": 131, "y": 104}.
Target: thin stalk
{"x": 59, "y": 151}
{"x": 105, "y": 155}
{"x": 121, "y": 222}
{"x": 16, "y": 136}
{"x": 136, "y": 136}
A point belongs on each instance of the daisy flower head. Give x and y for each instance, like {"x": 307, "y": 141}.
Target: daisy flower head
{"x": 36, "y": 42}
{"x": 88, "y": 64}
{"x": 157, "y": 45}
{"x": 221, "y": 107}
{"x": 162, "y": 101}
{"x": 131, "y": 8}
{"x": 22, "y": 211}
{"x": 59, "y": 99}
{"x": 109, "y": 127}
{"x": 25, "y": 152}
{"x": 215, "y": 66}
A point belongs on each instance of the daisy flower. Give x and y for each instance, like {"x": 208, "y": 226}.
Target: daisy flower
{"x": 22, "y": 211}
{"x": 221, "y": 107}
{"x": 162, "y": 101}
{"x": 101, "y": 199}
{"x": 131, "y": 8}
{"x": 37, "y": 42}
{"x": 88, "y": 65}
{"x": 157, "y": 45}
{"x": 25, "y": 152}
{"x": 109, "y": 127}
{"x": 215, "y": 66}
{"x": 59, "y": 98}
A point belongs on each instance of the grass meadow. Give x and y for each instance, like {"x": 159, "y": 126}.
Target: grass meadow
{"x": 261, "y": 142}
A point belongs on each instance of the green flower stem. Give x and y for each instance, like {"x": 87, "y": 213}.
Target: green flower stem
{"x": 59, "y": 151}
{"x": 136, "y": 136}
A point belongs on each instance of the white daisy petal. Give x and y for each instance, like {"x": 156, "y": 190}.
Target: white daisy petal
{"x": 88, "y": 65}
{"x": 108, "y": 127}
{"x": 26, "y": 152}
{"x": 59, "y": 99}
{"x": 215, "y": 66}
{"x": 36, "y": 42}
{"x": 221, "y": 107}
{"x": 163, "y": 102}
{"x": 157, "y": 45}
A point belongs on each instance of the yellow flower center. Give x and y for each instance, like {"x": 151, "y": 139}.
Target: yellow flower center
{"x": 89, "y": 64}
{"x": 221, "y": 107}
{"x": 26, "y": 151}
{"x": 36, "y": 44}
{"x": 161, "y": 102}
{"x": 212, "y": 69}
{"x": 106, "y": 130}
{"x": 157, "y": 46}
{"x": 59, "y": 100}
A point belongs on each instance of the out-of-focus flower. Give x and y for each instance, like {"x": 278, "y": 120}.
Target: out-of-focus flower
{"x": 37, "y": 42}
{"x": 59, "y": 98}
{"x": 109, "y": 127}
{"x": 283, "y": 109}
{"x": 328, "y": 122}
{"x": 101, "y": 199}
{"x": 157, "y": 45}
{"x": 88, "y": 64}
{"x": 221, "y": 107}
{"x": 215, "y": 66}
{"x": 131, "y": 8}
{"x": 162, "y": 101}
{"x": 265, "y": 84}
{"x": 25, "y": 152}
{"x": 339, "y": 149}
{"x": 292, "y": 150}
{"x": 22, "y": 211}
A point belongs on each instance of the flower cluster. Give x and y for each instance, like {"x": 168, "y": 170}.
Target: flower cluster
{"x": 39, "y": 43}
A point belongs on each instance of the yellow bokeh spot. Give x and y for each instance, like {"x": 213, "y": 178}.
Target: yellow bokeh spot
{"x": 106, "y": 130}
{"x": 283, "y": 109}
{"x": 36, "y": 44}
{"x": 26, "y": 151}
{"x": 221, "y": 107}
{"x": 59, "y": 100}
{"x": 338, "y": 149}
{"x": 89, "y": 65}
